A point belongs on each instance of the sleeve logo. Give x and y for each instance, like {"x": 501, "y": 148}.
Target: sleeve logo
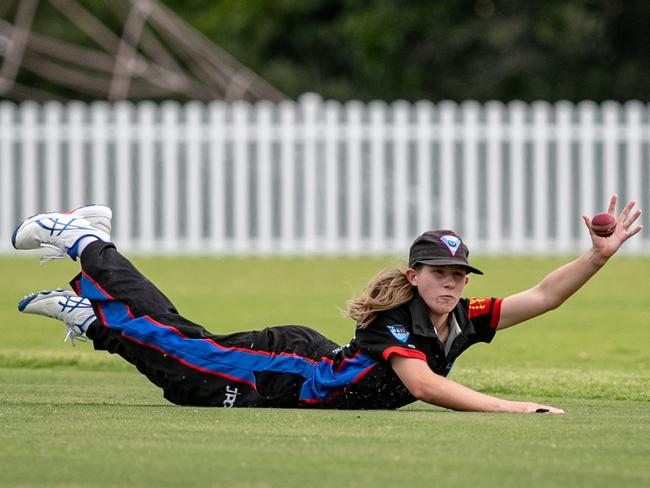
{"x": 399, "y": 332}
{"x": 478, "y": 306}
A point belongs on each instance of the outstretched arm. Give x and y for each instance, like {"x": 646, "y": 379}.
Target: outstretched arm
{"x": 559, "y": 285}
{"x": 429, "y": 387}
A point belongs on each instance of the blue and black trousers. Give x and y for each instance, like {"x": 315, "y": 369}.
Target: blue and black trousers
{"x": 266, "y": 368}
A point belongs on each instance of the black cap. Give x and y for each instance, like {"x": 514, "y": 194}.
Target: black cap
{"x": 440, "y": 248}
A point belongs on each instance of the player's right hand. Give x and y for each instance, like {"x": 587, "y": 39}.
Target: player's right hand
{"x": 530, "y": 407}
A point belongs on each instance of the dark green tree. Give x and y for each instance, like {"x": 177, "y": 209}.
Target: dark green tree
{"x": 466, "y": 49}
{"x": 420, "y": 49}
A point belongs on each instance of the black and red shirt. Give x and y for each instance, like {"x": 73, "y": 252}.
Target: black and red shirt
{"x": 407, "y": 331}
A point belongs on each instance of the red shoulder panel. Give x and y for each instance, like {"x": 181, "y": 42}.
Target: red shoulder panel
{"x": 404, "y": 352}
{"x": 477, "y": 307}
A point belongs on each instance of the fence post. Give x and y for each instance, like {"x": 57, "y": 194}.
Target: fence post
{"x": 52, "y": 164}
{"x": 401, "y": 186}
{"x": 518, "y": 177}
{"x": 610, "y": 148}
{"x": 447, "y": 138}
{"x": 241, "y": 207}
{"x": 332, "y": 140}
{"x": 424, "y": 201}
{"x": 564, "y": 217}
{"x": 587, "y": 182}
{"x": 99, "y": 151}
{"x": 264, "y": 136}
{"x": 217, "y": 147}
{"x": 170, "y": 176}
{"x": 471, "y": 184}
{"x": 288, "y": 188}
{"x": 310, "y": 104}
{"x": 28, "y": 141}
{"x": 7, "y": 177}
{"x": 494, "y": 118}
{"x": 541, "y": 214}
{"x": 123, "y": 174}
{"x": 146, "y": 136}
{"x": 378, "y": 186}
{"x": 76, "y": 135}
{"x": 193, "y": 130}
{"x": 354, "y": 134}
{"x": 633, "y": 171}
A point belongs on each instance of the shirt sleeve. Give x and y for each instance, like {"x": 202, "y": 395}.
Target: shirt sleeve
{"x": 484, "y": 313}
{"x": 385, "y": 336}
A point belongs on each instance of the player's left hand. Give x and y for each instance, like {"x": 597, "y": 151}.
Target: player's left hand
{"x": 607, "y": 246}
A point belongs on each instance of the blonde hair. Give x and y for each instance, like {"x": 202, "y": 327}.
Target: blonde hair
{"x": 388, "y": 289}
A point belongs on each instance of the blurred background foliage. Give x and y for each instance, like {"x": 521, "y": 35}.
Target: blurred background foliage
{"x": 424, "y": 49}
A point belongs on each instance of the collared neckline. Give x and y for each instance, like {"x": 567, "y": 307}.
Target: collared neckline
{"x": 454, "y": 332}
{"x": 422, "y": 324}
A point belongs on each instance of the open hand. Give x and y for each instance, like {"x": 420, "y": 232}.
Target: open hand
{"x": 607, "y": 246}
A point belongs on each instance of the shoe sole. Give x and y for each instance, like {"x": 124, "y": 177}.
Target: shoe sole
{"x": 103, "y": 212}
{"x": 62, "y": 292}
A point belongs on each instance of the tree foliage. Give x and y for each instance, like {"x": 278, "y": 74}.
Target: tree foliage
{"x": 423, "y": 49}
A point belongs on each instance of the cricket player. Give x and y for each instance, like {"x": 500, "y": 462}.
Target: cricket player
{"x": 411, "y": 325}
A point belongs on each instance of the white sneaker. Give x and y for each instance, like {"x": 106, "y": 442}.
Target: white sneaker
{"x": 99, "y": 216}
{"x": 65, "y": 305}
{"x": 58, "y": 231}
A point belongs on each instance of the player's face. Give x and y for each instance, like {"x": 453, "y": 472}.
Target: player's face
{"x": 439, "y": 286}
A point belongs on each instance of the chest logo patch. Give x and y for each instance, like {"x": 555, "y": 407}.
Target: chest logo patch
{"x": 399, "y": 332}
{"x": 452, "y": 243}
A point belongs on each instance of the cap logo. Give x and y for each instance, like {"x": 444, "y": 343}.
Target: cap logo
{"x": 399, "y": 332}
{"x": 452, "y": 243}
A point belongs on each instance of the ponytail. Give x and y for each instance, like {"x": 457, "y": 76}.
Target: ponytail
{"x": 386, "y": 290}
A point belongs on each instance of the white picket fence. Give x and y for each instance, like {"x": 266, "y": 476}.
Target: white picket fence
{"x": 320, "y": 177}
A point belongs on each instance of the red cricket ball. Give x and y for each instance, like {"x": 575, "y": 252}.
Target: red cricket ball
{"x": 603, "y": 225}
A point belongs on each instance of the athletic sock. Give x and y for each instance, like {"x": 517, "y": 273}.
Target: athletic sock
{"x": 84, "y": 241}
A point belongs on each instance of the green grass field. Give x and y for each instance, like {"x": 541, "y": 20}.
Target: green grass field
{"x": 75, "y": 417}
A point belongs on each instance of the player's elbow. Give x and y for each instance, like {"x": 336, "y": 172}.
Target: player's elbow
{"x": 418, "y": 378}
{"x": 554, "y": 302}
{"x": 549, "y": 299}
{"x": 419, "y": 391}
{"x": 423, "y": 389}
